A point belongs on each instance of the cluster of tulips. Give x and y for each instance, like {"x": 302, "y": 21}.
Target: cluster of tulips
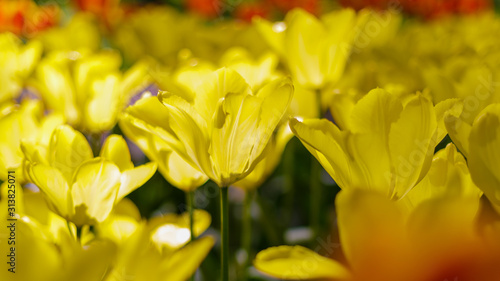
{"x": 403, "y": 115}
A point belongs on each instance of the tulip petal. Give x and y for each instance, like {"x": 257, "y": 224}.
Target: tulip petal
{"x": 276, "y": 97}
{"x": 180, "y": 173}
{"x": 375, "y": 113}
{"x": 273, "y": 34}
{"x": 115, "y": 149}
{"x": 444, "y": 108}
{"x": 484, "y": 153}
{"x": 170, "y": 164}
{"x": 68, "y": 150}
{"x": 134, "y": 178}
{"x": 371, "y": 225}
{"x": 37, "y": 258}
{"x": 53, "y": 184}
{"x": 234, "y": 137}
{"x": 297, "y": 262}
{"x": 448, "y": 176}
{"x": 53, "y": 80}
{"x": 95, "y": 190}
{"x": 192, "y": 140}
{"x": 328, "y": 145}
{"x": 218, "y": 85}
{"x": 459, "y": 132}
{"x": 103, "y": 103}
{"x": 96, "y": 260}
{"x": 303, "y": 50}
{"x": 255, "y": 72}
{"x": 172, "y": 232}
{"x": 434, "y": 225}
{"x": 183, "y": 263}
{"x": 412, "y": 141}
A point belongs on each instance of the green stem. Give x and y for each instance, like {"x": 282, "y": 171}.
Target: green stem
{"x": 224, "y": 217}
{"x": 246, "y": 239}
{"x": 315, "y": 198}
{"x": 289, "y": 170}
{"x": 70, "y": 230}
{"x": 190, "y": 201}
{"x": 95, "y": 143}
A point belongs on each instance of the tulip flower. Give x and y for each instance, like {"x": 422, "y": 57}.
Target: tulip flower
{"x": 24, "y": 122}
{"x": 158, "y": 249}
{"x": 40, "y": 259}
{"x": 220, "y": 127}
{"x": 80, "y": 188}
{"x": 89, "y": 90}
{"x": 479, "y": 89}
{"x": 81, "y": 34}
{"x": 16, "y": 64}
{"x": 387, "y": 145}
{"x": 174, "y": 169}
{"x": 151, "y": 31}
{"x": 40, "y": 232}
{"x": 218, "y": 131}
{"x": 423, "y": 236}
{"x": 315, "y": 50}
{"x": 437, "y": 240}
{"x": 45, "y": 250}
{"x": 448, "y": 177}
{"x": 256, "y": 72}
{"x": 140, "y": 258}
{"x": 484, "y": 153}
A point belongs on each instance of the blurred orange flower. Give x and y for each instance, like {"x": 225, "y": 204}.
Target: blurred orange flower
{"x": 246, "y": 11}
{"x": 312, "y": 6}
{"x": 25, "y": 18}
{"x": 109, "y": 11}
{"x": 207, "y": 8}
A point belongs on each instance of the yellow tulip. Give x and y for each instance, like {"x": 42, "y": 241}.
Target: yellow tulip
{"x": 448, "y": 177}
{"x": 38, "y": 258}
{"x": 430, "y": 234}
{"x": 46, "y": 250}
{"x": 44, "y": 247}
{"x": 436, "y": 241}
{"x": 223, "y": 129}
{"x": 16, "y": 64}
{"x": 387, "y": 145}
{"x": 155, "y": 32}
{"x": 80, "y": 188}
{"x": 272, "y": 157}
{"x": 80, "y": 34}
{"x": 88, "y": 89}
{"x": 23, "y": 122}
{"x": 140, "y": 258}
{"x": 297, "y": 262}
{"x": 484, "y": 153}
{"x": 480, "y": 90}
{"x": 256, "y": 72}
{"x": 315, "y": 50}
{"x": 171, "y": 232}
{"x": 173, "y": 168}
{"x": 121, "y": 223}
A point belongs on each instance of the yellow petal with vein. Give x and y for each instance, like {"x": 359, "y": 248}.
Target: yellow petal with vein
{"x": 297, "y": 262}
